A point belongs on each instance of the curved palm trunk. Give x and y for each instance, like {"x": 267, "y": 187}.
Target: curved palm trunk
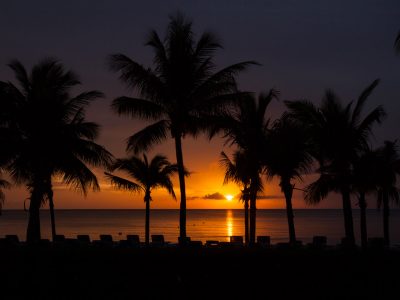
{"x": 52, "y": 215}
{"x": 246, "y": 221}
{"x": 181, "y": 173}
{"x": 348, "y": 216}
{"x": 287, "y": 188}
{"x": 33, "y": 230}
{"x": 386, "y": 212}
{"x": 147, "y": 224}
{"x": 363, "y": 220}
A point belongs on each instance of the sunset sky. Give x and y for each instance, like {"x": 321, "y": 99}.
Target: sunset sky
{"x": 304, "y": 47}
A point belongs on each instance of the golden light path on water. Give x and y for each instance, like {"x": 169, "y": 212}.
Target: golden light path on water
{"x": 229, "y": 223}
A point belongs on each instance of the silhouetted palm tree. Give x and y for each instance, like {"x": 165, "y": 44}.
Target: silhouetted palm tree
{"x": 148, "y": 176}
{"x": 237, "y": 171}
{"x": 178, "y": 93}
{"x": 288, "y": 157}
{"x": 50, "y": 137}
{"x": 387, "y": 172}
{"x": 365, "y": 181}
{"x": 339, "y": 134}
{"x": 247, "y": 127}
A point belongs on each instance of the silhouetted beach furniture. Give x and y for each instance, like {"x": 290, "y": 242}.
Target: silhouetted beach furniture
{"x": 59, "y": 238}
{"x": 83, "y": 238}
{"x": 12, "y": 239}
{"x": 212, "y": 244}
{"x": 319, "y": 242}
{"x": 133, "y": 240}
{"x": 106, "y": 240}
{"x": 236, "y": 240}
{"x": 182, "y": 241}
{"x": 376, "y": 243}
{"x": 157, "y": 240}
{"x": 264, "y": 241}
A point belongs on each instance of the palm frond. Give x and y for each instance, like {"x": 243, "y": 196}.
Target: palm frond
{"x": 361, "y": 101}
{"x": 147, "y": 137}
{"x": 123, "y": 184}
{"x": 136, "y": 76}
{"x": 135, "y": 107}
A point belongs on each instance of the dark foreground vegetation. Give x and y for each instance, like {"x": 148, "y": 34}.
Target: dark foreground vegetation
{"x": 197, "y": 273}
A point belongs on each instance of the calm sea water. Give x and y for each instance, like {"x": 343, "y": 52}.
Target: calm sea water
{"x": 201, "y": 224}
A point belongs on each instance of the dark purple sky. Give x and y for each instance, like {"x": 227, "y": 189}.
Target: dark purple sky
{"x": 304, "y": 47}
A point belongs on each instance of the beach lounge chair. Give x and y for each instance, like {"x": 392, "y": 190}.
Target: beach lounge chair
{"x": 59, "y": 238}
{"x": 319, "y": 242}
{"x": 12, "y": 239}
{"x": 133, "y": 240}
{"x": 264, "y": 241}
{"x": 106, "y": 240}
{"x": 157, "y": 240}
{"x": 83, "y": 238}
{"x": 184, "y": 241}
{"x": 236, "y": 240}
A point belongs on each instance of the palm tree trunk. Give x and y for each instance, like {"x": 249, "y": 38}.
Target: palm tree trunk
{"x": 253, "y": 210}
{"x": 386, "y": 212}
{"x": 288, "y": 191}
{"x": 246, "y": 221}
{"x": 348, "y": 216}
{"x": 181, "y": 173}
{"x": 147, "y": 225}
{"x": 363, "y": 220}
{"x": 33, "y": 230}
{"x": 52, "y": 215}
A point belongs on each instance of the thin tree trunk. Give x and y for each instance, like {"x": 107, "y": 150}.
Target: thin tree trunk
{"x": 33, "y": 230}
{"x": 147, "y": 225}
{"x": 52, "y": 215}
{"x": 363, "y": 220}
{"x": 288, "y": 191}
{"x": 246, "y": 221}
{"x": 386, "y": 212}
{"x": 181, "y": 173}
{"x": 348, "y": 216}
{"x": 253, "y": 210}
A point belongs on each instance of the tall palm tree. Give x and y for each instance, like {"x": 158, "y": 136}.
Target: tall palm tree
{"x": 237, "y": 171}
{"x": 50, "y": 136}
{"x": 388, "y": 170}
{"x": 147, "y": 176}
{"x": 288, "y": 157}
{"x": 247, "y": 127}
{"x": 178, "y": 93}
{"x": 339, "y": 134}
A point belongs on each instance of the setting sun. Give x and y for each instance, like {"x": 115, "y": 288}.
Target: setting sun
{"x": 229, "y": 197}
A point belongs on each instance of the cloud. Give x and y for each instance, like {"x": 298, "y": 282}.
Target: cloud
{"x": 214, "y": 196}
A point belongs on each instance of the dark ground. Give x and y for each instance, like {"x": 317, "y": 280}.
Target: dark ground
{"x": 92, "y": 273}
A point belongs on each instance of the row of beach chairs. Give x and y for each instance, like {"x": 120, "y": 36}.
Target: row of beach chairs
{"x": 133, "y": 241}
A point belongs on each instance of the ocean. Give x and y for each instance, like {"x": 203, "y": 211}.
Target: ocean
{"x": 201, "y": 224}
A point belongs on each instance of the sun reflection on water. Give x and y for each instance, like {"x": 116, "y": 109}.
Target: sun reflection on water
{"x": 229, "y": 224}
